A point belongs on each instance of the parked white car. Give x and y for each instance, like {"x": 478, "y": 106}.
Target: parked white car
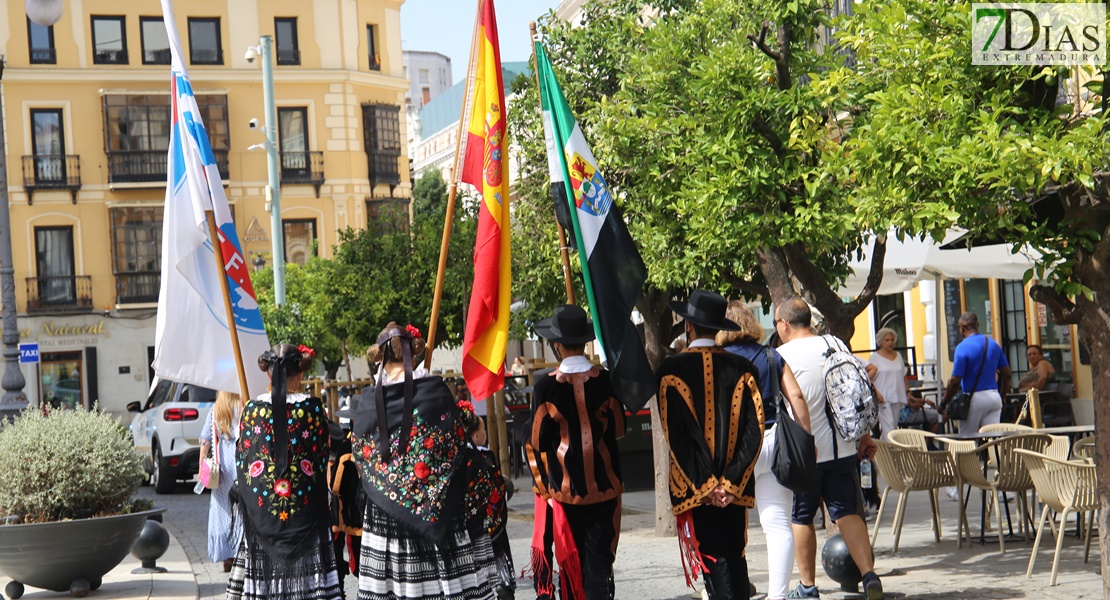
{"x": 166, "y": 431}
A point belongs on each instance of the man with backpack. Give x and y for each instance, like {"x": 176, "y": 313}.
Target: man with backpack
{"x": 819, "y": 362}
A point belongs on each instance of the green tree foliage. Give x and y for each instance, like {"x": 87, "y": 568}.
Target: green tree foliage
{"x": 388, "y": 271}
{"x": 305, "y": 316}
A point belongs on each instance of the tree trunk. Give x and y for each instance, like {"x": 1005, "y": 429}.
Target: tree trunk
{"x": 772, "y": 263}
{"x": 1096, "y": 332}
{"x": 658, "y": 334}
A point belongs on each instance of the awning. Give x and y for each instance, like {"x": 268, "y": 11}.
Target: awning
{"x": 909, "y": 261}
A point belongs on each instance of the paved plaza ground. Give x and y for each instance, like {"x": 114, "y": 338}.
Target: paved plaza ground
{"x": 648, "y": 567}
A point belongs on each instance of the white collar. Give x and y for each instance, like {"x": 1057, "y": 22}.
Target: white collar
{"x": 575, "y": 364}
{"x": 417, "y": 373}
{"x": 295, "y": 397}
{"x": 703, "y": 343}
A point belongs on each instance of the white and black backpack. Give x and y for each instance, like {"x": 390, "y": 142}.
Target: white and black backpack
{"x": 850, "y": 406}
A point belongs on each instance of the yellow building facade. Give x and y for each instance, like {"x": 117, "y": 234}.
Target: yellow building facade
{"x": 87, "y": 115}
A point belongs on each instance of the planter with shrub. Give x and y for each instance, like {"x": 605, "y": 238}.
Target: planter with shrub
{"x": 66, "y": 487}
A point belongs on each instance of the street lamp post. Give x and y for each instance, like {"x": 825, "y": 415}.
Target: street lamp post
{"x": 267, "y": 44}
{"x": 14, "y": 400}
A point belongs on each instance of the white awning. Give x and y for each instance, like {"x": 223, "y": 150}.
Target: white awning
{"x": 909, "y": 261}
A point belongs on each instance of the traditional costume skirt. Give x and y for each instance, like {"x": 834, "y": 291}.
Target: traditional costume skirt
{"x": 397, "y": 564}
{"x": 308, "y": 575}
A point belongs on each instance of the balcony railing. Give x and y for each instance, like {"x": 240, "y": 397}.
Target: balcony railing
{"x": 157, "y": 57}
{"x": 55, "y": 294}
{"x": 110, "y": 57}
{"x": 51, "y": 172}
{"x": 207, "y": 56}
{"x": 289, "y": 56}
{"x": 44, "y": 56}
{"x": 137, "y": 166}
{"x": 303, "y": 167}
{"x": 137, "y": 287}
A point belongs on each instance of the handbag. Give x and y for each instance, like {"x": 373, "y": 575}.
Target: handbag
{"x": 209, "y": 475}
{"x": 960, "y": 405}
{"x": 794, "y": 463}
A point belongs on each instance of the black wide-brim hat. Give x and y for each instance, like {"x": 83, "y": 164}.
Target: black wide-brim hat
{"x": 568, "y": 325}
{"x": 706, "y": 309}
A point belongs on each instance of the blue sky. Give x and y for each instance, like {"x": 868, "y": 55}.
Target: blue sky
{"x": 445, "y": 26}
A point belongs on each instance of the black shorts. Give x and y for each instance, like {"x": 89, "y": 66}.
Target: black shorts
{"x": 837, "y": 485}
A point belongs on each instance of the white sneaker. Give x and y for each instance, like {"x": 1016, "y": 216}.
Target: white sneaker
{"x": 952, "y": 494}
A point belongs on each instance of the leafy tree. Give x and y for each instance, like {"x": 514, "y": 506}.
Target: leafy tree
{"x": 303, "y": 319}
{"x": 995, "y": 147}
{"x": 387, "y": 272}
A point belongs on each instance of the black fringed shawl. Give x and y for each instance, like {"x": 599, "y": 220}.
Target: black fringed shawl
{"x": 283, "y": 506}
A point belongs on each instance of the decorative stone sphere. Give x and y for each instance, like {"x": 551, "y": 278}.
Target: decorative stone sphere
{"x": 153, "y": 542}
{"x": 45, "y": 12}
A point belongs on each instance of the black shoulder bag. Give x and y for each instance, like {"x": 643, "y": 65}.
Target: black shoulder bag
{"x": 960, "y": 405}
{"x": 795, "y": 461}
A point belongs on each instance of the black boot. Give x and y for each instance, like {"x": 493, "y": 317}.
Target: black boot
{"x": 727, "y": 580}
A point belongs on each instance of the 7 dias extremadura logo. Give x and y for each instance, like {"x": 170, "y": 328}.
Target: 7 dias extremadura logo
{"x": 1030, "y": 33}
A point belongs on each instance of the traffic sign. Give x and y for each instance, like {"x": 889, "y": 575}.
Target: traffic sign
{"x": 29, "y": 353}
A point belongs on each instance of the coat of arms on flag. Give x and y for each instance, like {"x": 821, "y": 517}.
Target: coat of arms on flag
{"x": 590, "y": 192}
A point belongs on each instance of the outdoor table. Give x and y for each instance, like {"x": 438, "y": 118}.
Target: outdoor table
{"x": 979, "y": 438}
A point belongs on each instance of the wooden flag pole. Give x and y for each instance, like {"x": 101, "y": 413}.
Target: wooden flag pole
{"x": 564, "y": 251}
{"x": 214, "y": 236}
{"x": 449, "y": 218}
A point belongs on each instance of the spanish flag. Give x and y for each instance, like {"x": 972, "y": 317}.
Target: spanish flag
{"x": 483, "y": 157}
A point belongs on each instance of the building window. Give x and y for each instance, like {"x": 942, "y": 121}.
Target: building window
{"x": 136, "y": 253}
{"x": 48, "y": 146}
{"x": 425, "y": 77}
{"x": 285, "y": 36}
{"x": 137, "y": 134}
{"x": 381, "y": 124}
{"x": 293, "y": 142}
{"x": 204, "y": 42}
{"x": 156, "y": 44}
{"x": 372, "y": 47}
{"x": 387, "y": 215}
{"x": 55, "y": 283}
{"x": 40, "y": 42}
{"x": 109, "y": 41}
{"x": 300, "y": 239}
{"x": 425, "y": 95}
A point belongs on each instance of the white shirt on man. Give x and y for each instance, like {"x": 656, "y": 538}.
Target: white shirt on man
{"x": 806, "y": 357}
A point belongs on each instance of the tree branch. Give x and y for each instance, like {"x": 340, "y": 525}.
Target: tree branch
{"x": 1064, "y": 311}
{"x": 874, "y": 277}
{"x": 749, "y": 288}
{"x": 773, "y": 139}
{"x": 761, "y": 43}
{"x": 812, "y": 280}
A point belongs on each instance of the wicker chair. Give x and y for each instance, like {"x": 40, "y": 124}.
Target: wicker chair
{"x": 1064, "y": 487}
{"x": 1009, "y": 475}
{"x": 907, "y": 470}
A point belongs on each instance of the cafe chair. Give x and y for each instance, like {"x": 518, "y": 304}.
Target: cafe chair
{"x": 1056, "y": 406}
{"x": 1007, "y": 475}
{"x": 908, "y": 470}
{"x": 1065, "y": 487}
{"x": 1084, "y": 448}
{"x": 910, "y": 438}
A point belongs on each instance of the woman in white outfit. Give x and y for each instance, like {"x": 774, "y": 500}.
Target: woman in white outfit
{"x": 773, "y": 501}
{"x": 223, "y": 422}
{"x": 890, "y": 380}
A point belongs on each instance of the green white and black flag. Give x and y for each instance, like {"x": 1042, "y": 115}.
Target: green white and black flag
{"x": 611, "y": 265}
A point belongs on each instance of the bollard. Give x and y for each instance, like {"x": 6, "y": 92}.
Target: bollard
{"x": 153, "y": 542}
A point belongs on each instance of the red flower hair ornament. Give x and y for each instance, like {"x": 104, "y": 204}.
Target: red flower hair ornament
{"x": 466, "y": 406}
{"x": 413, "y": 331}
{"x": 306, "y": 350}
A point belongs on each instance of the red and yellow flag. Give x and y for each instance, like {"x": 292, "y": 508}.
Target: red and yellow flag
{"x": 483, "y": 157}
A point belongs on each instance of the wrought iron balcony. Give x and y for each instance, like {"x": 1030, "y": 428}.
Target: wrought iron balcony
{"x": 207, "y": 56}
{"x": 157, "y": 57}
{"x": 44, "y": 56}
{"x": 289, "y": 56}
{"x": 303, "y": 168}
{"x": 137, "y": 287}
{"x": 110, "y": 57}
{"x": 51, "y": 172}
{"x": 59, "y": 294}
{"x": 137, "y": 166}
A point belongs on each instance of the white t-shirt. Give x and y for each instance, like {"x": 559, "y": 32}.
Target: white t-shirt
{"x": 891, "y": 378}
{"x": 806, "y": 357}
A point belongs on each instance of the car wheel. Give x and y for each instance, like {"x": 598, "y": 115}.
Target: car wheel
{"x": 164, "y": 482}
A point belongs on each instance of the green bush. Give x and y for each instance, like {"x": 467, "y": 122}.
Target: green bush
{"x": 72, "y": 464}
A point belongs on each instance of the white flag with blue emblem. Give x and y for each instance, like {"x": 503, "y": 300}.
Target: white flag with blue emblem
{"x": 193, "y": 340}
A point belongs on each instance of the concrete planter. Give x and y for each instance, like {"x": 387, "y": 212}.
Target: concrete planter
{"x": 66, "y": 556}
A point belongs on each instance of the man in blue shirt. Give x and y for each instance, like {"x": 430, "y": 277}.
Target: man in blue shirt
{"x": 989, "y": 374}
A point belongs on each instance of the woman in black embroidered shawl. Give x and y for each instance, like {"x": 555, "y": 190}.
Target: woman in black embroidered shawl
{"x": 281, "y": 491}
{"x": 410, "y": 451}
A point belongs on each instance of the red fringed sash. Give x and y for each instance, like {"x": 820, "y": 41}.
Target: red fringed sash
{"x": 566, "y": 553}
{"x": 693, "y": 561}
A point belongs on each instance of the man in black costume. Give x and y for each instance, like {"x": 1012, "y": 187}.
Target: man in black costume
{"x": 572, "y": 452}
{"x": 712, "y": 416}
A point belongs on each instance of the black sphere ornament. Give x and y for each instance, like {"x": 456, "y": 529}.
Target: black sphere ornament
{"x": 14, "y": 590}
{"x": 838, "y": 564}
{"x": 153, "y": 542}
